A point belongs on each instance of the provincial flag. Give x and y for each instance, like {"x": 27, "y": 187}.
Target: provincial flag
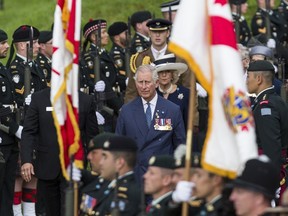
{"x": 203, "y": 35}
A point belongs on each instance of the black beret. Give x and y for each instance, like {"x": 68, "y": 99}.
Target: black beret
{"x": 260, "y": 175}
{"x": 92, "y": 26}
{"x": 173, "y": 5}
{"x": 98, "y": 141}
{"x": 159, "y": 24}
{"x": 140, "y": 16}
{"x": 22, "y": 33}
{"x": 45, "y": 36}
{"x": 117, "y": 28}
{"x": 237, "y": 2}
{"x": 120, "y": 143}
{"x": 195, "y": 161}
{"x": 162, "y": 161}
{"x": 260, "y": 65}
{"x": 3, "y": 35}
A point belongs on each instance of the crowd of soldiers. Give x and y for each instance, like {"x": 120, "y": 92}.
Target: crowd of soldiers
{"x": 133, "y": 117}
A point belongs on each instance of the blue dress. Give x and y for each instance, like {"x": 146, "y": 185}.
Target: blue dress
{"x": 181, "y": 98}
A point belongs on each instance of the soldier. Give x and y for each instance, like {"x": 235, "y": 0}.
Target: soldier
{"x": 109, "y": 76}
{"x": 158, "y": 183}
{"x": 283, "y": 10}
{"x": 118, "y": 35}
{"x": 260, "y": 25}
{"x": 8, "y": 144}
{"x": 169, "y": 9}
{"x": 123, "y": 193}
{"x": 21, "y": 37}
{"x": 255, "y": 188}
{"x": 238, "y": 8}
{"x": 141, "y": 39}
{"x": 93, "y": 183}
{"x": 271, "y": 115}
{"x": 44, "y": 57}
{"x": 159, "y": 33}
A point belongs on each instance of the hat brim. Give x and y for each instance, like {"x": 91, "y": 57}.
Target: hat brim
{"x": 253, "y": 187}
{"x": 180, "y": 68}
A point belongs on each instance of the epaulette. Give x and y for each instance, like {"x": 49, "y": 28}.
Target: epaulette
{"x": 20, "y": 91}
{"x": 146, "y": 60}
{"x": 133, "y": 66}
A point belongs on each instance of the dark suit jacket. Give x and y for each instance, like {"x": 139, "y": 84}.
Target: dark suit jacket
{"x": 132, "y": 123}
{"x": 39, "y": 124}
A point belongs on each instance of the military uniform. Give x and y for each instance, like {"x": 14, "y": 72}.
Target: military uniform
{"x": 117, "y": 53}
{"x": 8, "y": 146}
{"x": 46, "y": 65}
{"x": 283, "y": 9}
{"x": 17, "y": 69}
{"x": 139, "y": 43}
{"x": 279, "y": 27}
{"x": 244, "y": 31}
{"x": 128, "y": 197}
{"x": 159, "y": 208}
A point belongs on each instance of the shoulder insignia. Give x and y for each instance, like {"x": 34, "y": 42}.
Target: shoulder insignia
{"x": 259, "y": 22}
{"x": 264, "y": 102}
{"x": 266, "y": 111}
{"x": 122, "y": 195}
{"x": 262, "y": 30}
{"x": 133, "y": 62}
{"x": 123, "y": 189}
{"x": 20, "y": 91}
{"x": 146, "y": 60}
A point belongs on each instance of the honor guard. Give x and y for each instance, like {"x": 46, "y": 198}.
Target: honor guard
{"x": 122, "y": 195}
{"x": 25, "y": 38}
{"x": 118, "y": 35}
{"x": 260, "y": 24}
{"x": 44, "y": 57}
{"x": 92, "y": 181}
{"x": 270, "y": 113}
{"x": 141, "y": 39}
{"x": 8, "y": 129}
{"x": 105, "y": 71}
{"x": 158, "y": 183}
{"x": 238, "y": 9}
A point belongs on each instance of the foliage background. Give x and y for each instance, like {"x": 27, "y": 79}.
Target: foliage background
{"x": 39, "y": 13}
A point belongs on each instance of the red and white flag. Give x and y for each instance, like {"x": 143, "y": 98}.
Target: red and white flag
{"x": 64, "y": 81}
{"x": 203, "y": 35}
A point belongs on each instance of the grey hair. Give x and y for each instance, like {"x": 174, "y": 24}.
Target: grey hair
{"x": 147, "y": 68}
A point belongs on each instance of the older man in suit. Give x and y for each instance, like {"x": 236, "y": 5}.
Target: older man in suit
{"x": 155, "y": 123}
{"x": 39, "y": 131}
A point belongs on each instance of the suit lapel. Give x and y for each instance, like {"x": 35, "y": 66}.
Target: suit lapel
{"x": 140, "y": 118}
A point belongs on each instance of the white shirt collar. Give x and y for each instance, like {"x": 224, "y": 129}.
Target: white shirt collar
{"x": 22, "y": 57}
{"x": 158, "y": 53}
{"x": 159, "y": 199}
{"x": 152, "y": 102}
{"x": 144, "y": 36}
{"x": 272, "y": 87}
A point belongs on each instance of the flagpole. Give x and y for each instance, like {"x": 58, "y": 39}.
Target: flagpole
{"x": 189, "y": 137}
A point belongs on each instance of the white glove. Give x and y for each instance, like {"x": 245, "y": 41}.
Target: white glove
{"x": 271, "y": 43}
{"x": 201, "y": 91}
{"x": 126, "y": 81}
{"x": 100, "y": 118}
{"x": 277, "y": 194}
{"x": 76, "y": 172}
{"x": 183, "y": 191}
{"x": 28, "y": 100}
{"x": 100, "y": 86}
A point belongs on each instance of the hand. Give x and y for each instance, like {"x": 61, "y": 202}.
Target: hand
{"x": 76, "y": 172}
{"x": 201, "y": 91}
{"x": 28, "y": 100}
{"x": 27, "y": 170}
{"x": 100, "y": 86}
{"x": 100, "y": 118}
{"x": 271, "y": 43}
{"x": 183, "y": 191}
{"x": 126, "y": 81}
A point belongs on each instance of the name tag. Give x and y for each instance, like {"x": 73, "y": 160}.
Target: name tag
{"x": 49, "y": 109}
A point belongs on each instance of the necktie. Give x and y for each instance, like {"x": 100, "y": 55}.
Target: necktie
{"x": 148, "y": 115}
